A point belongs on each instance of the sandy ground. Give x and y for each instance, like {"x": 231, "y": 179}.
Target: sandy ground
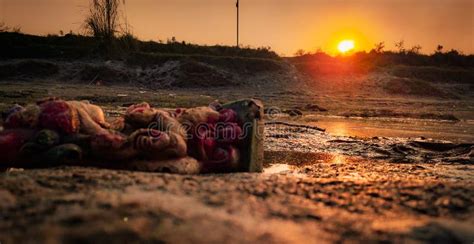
{"x": 316, "y": 187}
{"x": 301, "y": 197}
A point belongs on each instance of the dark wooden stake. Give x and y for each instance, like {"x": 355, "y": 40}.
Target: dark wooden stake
{"x": 237, "y": 5}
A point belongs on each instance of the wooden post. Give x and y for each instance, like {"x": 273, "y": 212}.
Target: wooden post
{"x": 237, "y": 5}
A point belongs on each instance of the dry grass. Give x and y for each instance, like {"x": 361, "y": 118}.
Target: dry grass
{"x": 103, "y": 19}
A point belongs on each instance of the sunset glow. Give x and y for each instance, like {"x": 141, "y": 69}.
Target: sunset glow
{"x": 284, "y": 25}
{"x": 345, "y": 46}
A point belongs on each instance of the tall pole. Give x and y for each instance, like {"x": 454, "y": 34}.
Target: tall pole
{"x": 125, "y": 16}
{"x": 237, "y": 5}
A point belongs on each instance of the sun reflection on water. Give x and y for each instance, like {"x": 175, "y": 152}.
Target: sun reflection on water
{"x": 339, "y": 129}
{"x": 283, "y": 169}
{"x": 338, "y": 159}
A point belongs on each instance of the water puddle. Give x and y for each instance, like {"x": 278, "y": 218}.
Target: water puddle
{"x": 292, "y": 139}
{"x": 462, "y": 131}
{"x": 283, "y": 169}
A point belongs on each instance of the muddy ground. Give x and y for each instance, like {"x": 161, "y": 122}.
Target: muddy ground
{"x": 301, "y": 197}
{"x": 333, "y": 186}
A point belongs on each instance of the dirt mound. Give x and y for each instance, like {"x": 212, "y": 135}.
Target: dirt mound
{"x": 192, "y": 73}
{"x": 435, "y": 74}
{"x": 412, "y": 87}
{"x": 102, "y": 73}
{"x": 180, "y": 72}
{"x": 185, "y": 74}
{"x": 28, "y": 69}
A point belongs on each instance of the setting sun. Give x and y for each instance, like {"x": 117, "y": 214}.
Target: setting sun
{"x": 345, "y": 46}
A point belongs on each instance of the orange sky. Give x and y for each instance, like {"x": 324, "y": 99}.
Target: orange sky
{"x": 285, "y": 25}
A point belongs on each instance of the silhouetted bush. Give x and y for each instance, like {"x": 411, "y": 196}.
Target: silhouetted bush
{"x": 103, "y": 19}
{"x": 448, "y": 67}
{"x": 71, "y": 46}
{"x": 6, "y": 28}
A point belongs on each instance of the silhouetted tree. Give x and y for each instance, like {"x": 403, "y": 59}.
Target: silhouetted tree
{"x": 378, "y": 48}
{"x": 415, "y": 49}
{"x": 400, "y": 45}
{"x": 103, "y": 19}
{"x": 318, "y": 50}
{"x": 300, "y": 52}
{"x": 453, "y": 52}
